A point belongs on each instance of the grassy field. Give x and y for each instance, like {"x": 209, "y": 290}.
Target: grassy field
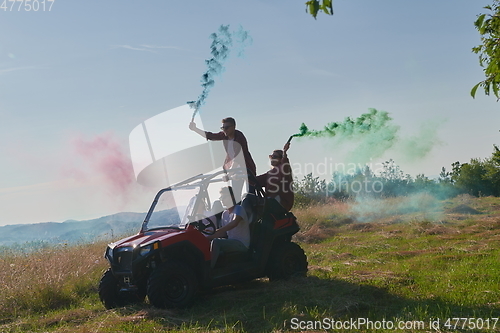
{"x": 414, "y": 262}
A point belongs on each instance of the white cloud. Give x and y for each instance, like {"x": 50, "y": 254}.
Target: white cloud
{"x": 145, "y": 47}
{"x": 321, "y": 72}
{"x": 7, "y": 70}
{"x": 128, "y": 47}
{"x": 160, "y": 47}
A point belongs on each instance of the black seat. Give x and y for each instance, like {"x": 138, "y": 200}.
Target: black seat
{"x": 254, "y": 206}
{"x": 249, "y": 204}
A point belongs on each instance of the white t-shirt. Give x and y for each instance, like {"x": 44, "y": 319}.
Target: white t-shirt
{"x": 230, "y": 153}
{"x": 235, "y": 160}
{"x": 242, "y": 231}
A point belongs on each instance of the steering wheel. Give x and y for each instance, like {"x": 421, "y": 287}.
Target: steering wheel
{"x": 206, "y": 229}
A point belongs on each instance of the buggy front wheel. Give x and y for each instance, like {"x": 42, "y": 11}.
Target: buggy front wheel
{"x": 109, "y": 291}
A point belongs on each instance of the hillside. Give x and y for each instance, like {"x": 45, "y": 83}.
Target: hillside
{"x": 420, "y": 262}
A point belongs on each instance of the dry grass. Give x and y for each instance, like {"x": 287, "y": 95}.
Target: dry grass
{"x": 330, "y": 211}
{"x": 319, "y": 222}
{"x": 315, "y": 234}
{"x": 49, "y": 278}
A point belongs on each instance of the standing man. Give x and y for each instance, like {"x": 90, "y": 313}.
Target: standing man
{"x": 229, "y": 135}
{"x": 234, "y": 143}
{"x": 278, "y": 181}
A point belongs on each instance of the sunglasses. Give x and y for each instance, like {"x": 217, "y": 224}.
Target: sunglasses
{"x": 275, "y": 157}
{"x": 226, "y": 127}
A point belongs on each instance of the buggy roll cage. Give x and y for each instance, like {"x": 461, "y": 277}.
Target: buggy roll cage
{"x": 200, "y": 181}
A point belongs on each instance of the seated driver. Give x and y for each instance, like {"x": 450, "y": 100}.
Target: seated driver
{"x": 234, "y": 225}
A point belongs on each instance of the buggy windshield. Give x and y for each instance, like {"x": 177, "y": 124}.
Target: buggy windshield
{"x": 194, "y": 200}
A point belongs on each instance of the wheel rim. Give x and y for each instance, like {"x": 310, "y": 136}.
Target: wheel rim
{"x": 291, "y": 265}
{"x": 176, "y": 288}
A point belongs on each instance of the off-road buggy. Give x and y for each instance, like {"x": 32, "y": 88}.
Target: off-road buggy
{"x": 169, "y": 259}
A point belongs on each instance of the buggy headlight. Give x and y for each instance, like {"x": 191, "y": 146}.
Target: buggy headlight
{"x": 145, "y": 250}
{"x": 148, "y": 248}
{"x": 109, "y": 252}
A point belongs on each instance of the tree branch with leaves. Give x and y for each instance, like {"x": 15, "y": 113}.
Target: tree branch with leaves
{"x": 314, "y": 6}
{"x": 488, "y": 26}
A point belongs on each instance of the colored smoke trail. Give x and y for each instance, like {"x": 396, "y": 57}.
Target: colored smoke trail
{"x": 367, "y": 123}
{"x": 222, "y": 42}
{"x": 104, "y": 157}
{"x": 373, "y": 134}
{"x": 421, "y": 144}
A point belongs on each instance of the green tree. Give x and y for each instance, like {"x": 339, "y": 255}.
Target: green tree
{"x": 492, "y": 167}
{"x": 445, "y": 177}
{"x": 479, "y": 176}
{"x": 391, "y": 171}
{"x": 422, "y": 182}
{"x": 471, "y": 178}
{"x": 395, "y": 182}
{"x": 488, "y": 26}
{"x": 308, "y": 190}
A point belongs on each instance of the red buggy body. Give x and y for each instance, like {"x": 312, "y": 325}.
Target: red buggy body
{"x": 169, "y": 259}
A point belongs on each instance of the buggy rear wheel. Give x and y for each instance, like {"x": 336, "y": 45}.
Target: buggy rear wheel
{"x": 172, "y": 285}
{"x": 286, "y": 260}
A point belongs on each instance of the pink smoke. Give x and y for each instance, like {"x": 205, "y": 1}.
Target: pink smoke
{"x": 103, "y": 157}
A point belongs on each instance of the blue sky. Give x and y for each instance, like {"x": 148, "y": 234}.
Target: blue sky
{"x": 92, "y": 70}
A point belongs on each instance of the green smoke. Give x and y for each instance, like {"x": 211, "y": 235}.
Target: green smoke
{"x": 419, "y": 145}
{"x": 373, "y": 133}
{"x": 367, "y": 123}
{"x": 417, "y": 206}
{"x": 222, "y": 43}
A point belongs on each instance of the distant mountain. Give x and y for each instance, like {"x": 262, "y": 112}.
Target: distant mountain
{"x": 72, "y": 231}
